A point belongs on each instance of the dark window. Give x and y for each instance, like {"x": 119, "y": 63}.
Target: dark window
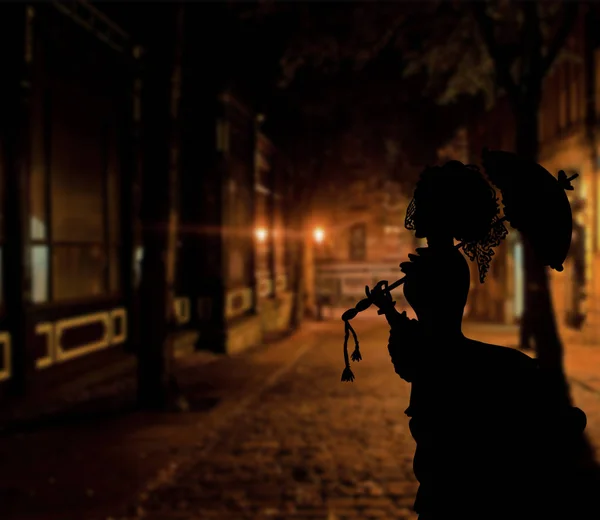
{"x": 74, "y": 196}
{"x": 358, "y": 242}
{"x": 2, "y": 205}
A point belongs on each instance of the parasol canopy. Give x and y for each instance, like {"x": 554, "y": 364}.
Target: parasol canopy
{"x": 535, "y": 203}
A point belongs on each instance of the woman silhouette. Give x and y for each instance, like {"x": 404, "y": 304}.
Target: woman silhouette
{"x": 471, "y": 403}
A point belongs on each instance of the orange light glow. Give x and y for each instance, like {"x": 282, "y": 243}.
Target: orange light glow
{"x": 319, "y": 235}
{"x": 261, "y": 234}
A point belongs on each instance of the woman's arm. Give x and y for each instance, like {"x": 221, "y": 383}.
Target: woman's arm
{"x": 403, "y": 344}
{"x": 393, "y": 317}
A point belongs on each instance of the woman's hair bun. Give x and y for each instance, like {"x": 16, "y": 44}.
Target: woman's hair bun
{"x": 457, "y": 195}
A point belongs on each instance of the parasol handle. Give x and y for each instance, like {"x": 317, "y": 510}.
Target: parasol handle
{"x": 365, "y": 303}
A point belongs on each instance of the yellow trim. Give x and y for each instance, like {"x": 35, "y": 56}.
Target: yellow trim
{"x": 183, "y": 311}
{"x": 46, "y": 328}
{"x": 118, "y": 313}
{"x": 54, "y": 331}
{"x": 69, "y": 323}
{"x": 6, "y": 354}
{"x": 246, "y": 294}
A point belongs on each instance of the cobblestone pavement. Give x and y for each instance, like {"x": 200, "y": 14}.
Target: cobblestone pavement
{"x": 87, "y": 466}
{"x": 309, "y": 447}
{"x": 281, "y": 438}
{"x": 313, "y": 448}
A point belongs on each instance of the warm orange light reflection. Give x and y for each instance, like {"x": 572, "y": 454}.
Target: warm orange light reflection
{"x": 261, "y": 234}
{"x": 319, "y": 235}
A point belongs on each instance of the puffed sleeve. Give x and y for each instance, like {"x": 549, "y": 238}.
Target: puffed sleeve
{"x": 403, "y": 344}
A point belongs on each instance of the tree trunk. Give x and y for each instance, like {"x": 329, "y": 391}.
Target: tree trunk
{"x": 297, "y": 314}
{"x": 538, "y": 322}
{"x": 296, "y": 246}
{"x": 160, "y": 219}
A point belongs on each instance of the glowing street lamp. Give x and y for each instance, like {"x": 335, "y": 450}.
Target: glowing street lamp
{"x": 319, "y": 235}
{"x": 261, "y": 234}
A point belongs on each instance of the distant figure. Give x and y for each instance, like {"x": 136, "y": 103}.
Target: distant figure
{"x": 491, "y": 443}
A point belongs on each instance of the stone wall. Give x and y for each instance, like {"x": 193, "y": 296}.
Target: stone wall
{"x": 365, "y": 236}
{"x": 243, "y": 334}
{"x": 276, "y": 314}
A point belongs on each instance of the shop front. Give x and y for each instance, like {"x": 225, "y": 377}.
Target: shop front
{"x": 66, "y": 167}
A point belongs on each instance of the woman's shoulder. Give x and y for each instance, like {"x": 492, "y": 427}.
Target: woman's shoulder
{"x": 500, "y": 357}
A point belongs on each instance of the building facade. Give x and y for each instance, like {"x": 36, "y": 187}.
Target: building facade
{"x": 66, "y": 159}
{"x": 274, "y": 295}
{"x": 568, "y": 141}
{"x": 72, "y": 226}
{"x": 364, "y": 241}
{"x": 568, "y": 136}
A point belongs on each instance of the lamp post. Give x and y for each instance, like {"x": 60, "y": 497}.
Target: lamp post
{"x": 261, "y": 235}
{"x": 318, "y": 236}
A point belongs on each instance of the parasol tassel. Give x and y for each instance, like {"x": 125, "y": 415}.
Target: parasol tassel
{"x": 347, "y": 375}
{"x": 356, "y": 354}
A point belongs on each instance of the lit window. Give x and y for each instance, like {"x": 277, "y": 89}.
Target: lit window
{"x": 392, "y": 230}
{"x": 39, "y": 270}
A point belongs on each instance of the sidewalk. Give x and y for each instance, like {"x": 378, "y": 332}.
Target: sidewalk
{"x": 95, "y": 467}
{"x": 87, "y": 468}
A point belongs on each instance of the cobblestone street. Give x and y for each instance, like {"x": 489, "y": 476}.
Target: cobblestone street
{"x": 309, "y": 447}
{"x": 283, "y": 439}
{"x": 313, "y": 448}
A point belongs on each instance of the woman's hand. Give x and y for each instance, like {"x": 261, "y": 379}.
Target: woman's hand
{"x": 416, "y": 263}
{"x": 380, "y": 297}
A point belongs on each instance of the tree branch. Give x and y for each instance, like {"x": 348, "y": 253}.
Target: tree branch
{"x": 502, "y": 61}
{"x": 531, "y": 35}
{"x": 570, "y": 11}
{"x": 388, "y": 39}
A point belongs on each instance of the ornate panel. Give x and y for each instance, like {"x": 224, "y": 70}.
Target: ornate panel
{"x": 238, "y": 302}
{"x": 69, "y": 338}
{"x": 44, "y": 344}
{"x": 182, "y": 310}
{"x": 118, "y": 319}
{"x": 81, "y": 335}
{"x": 5, "y": 356}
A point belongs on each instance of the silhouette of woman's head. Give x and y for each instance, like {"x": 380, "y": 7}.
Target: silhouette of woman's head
{"x": 450, "y": 201}
{"x": 454, "y": 199}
